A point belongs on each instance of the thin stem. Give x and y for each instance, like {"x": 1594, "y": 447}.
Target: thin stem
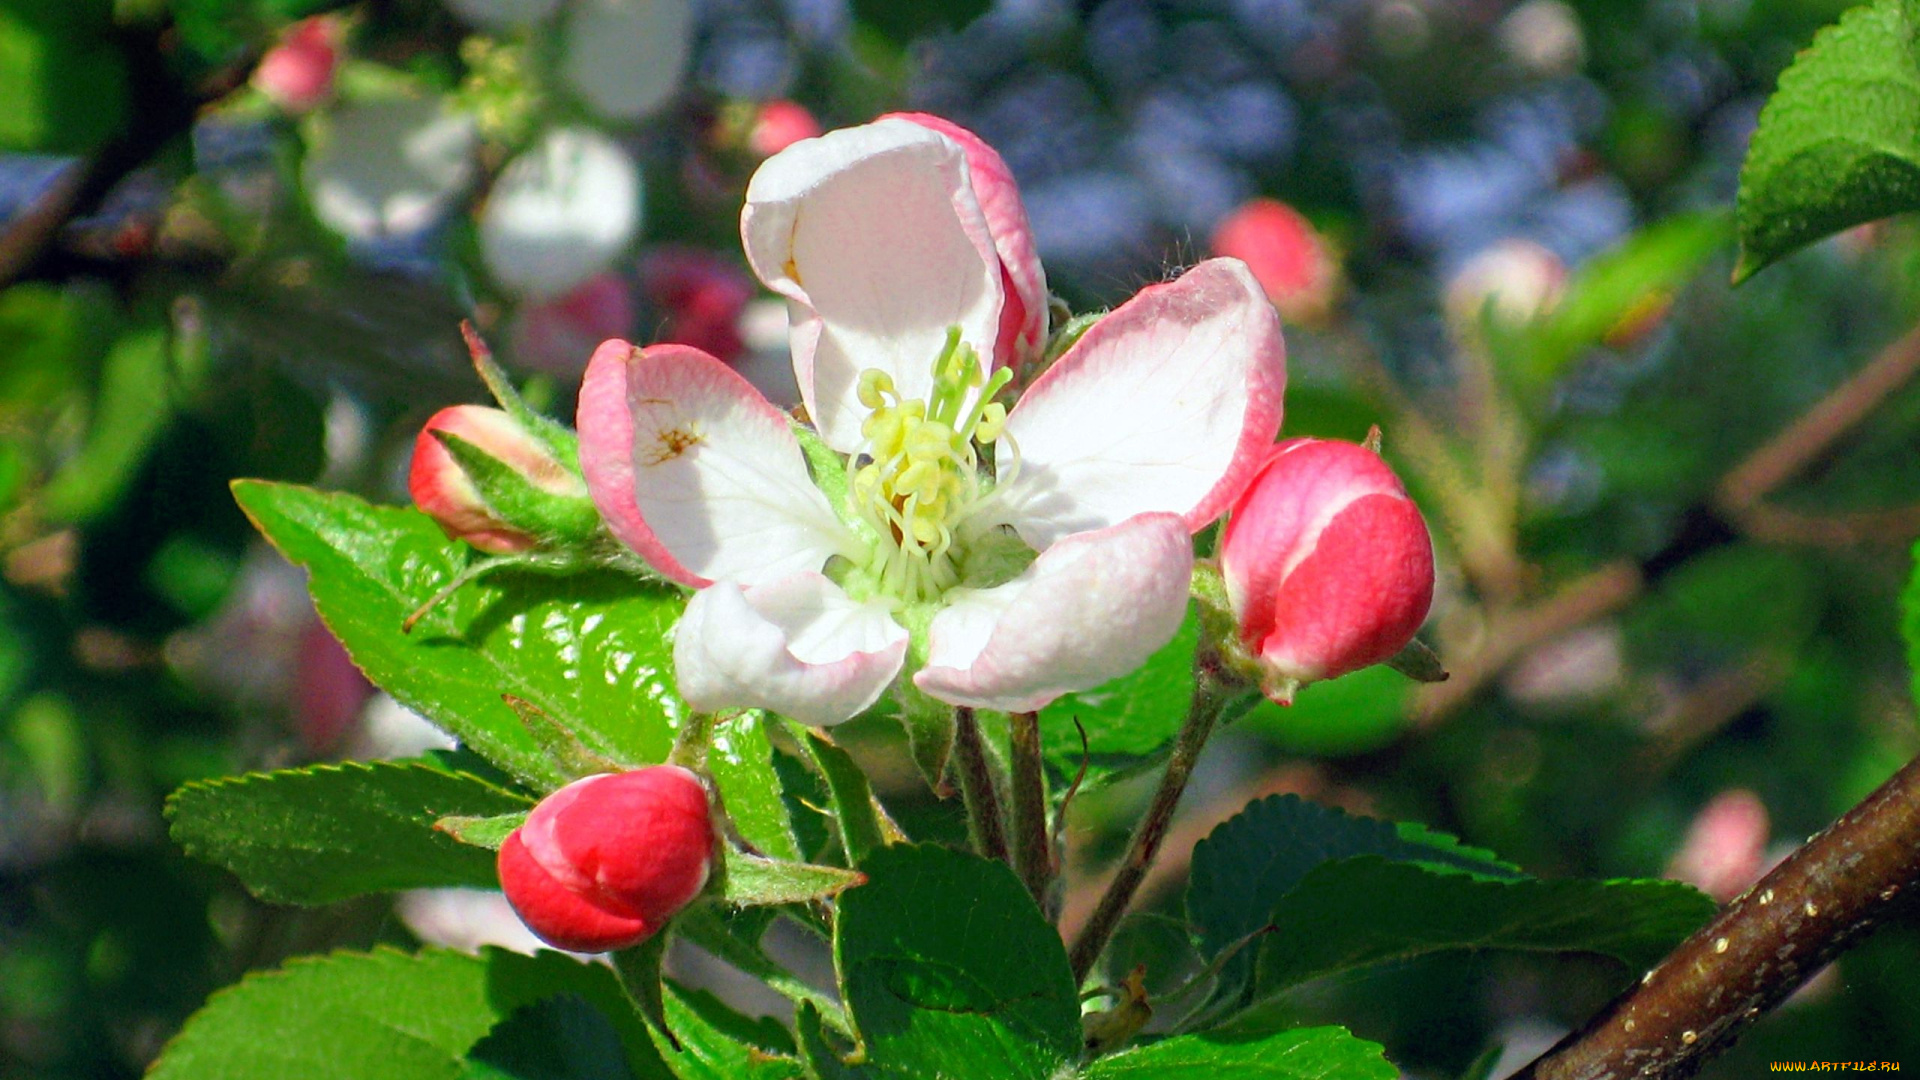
{"x": 1814, "y": 906}
{"x": 1209, "y": 697}
{"x": 988, "y": 828}
{"x": 1032, "y": 841}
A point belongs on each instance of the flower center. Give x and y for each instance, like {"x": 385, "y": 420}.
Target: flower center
{"x": 922, "y": 475}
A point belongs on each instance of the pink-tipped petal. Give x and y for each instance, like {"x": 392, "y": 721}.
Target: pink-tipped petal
{"x": 1091, "y": 608}
{"x": 1023, "y": 322}
{"x": 694, "y": 470}
{"x": 1166, "y": 405}
{"x": 798, "y": 646}
{"x": 875, "y": 236}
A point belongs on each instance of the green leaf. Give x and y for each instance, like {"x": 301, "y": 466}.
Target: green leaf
{"x": 1363, "y": 911}
{"x": 902, "y": 23}
{"x": 1321, "y": 1053}
{"x": 328, "y": 832}
{"x": 734, "y": 937}
{"x": 951, "y": 970}
{"x": 588, "y": 650}
{"x": 132, "y": 407}
{"x": 385, "y": 1015}
{"x": 62, "y": 79}
{"x": 718, "y": 1044}
{"x": 1127, "y": 719}
{"x": 753, "y": 881}
{"x": 858, "y": 816}
{"x": 481, "y": 832}
{"x": 741, "y": 761}
{"x": 1247, "y": 864}
{"x": 823, "y": 1060}
{"x": 561, "y": 1038}
{"x": 1609, "y": 289}
{"x": 1839, "y": 141}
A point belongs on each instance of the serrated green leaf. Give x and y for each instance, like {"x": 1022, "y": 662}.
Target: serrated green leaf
{"x": 329, "y": 832}
{"x": 385, "y": 1015}
{"x": 856, "y": 814}
{"x": 753, "y": 881}
{"x": 719, "y": 1044}
{"x": 587, "y": 649}
{"x": 1321, "y": 1053}
{"x": 1839, "y": 141}
{"x": 481, "y": 832}
{"x": 561, "y": 1038}
{"x": 1247, "y": 864}
{"x": 1366, "y": 910}
{"x": 950, "y": 969}
{"x": 1127, "y": 719}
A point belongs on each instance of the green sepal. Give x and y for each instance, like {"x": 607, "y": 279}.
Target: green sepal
{"x": 556, "y": 436}
{"x": 561, "y": 520}
{"x": 1068, "y": 335}
{"x": 829, "y": 471}
{"x": 752, "y": 881}
{"x": 482, "y": 832}
{"x": 1418, "y": 662}
{"x": 930, "y": 729}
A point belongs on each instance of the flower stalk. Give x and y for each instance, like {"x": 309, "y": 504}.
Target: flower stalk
{"x": 1032, "y": 840}
{"x": 984, "y": 821}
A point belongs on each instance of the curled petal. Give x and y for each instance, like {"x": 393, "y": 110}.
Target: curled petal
{"x": 1166, "y": 405}
{"x": 1091, "y": 608}
{"x": 875, "y": 236}
{"x": 798, "y": 646}
{"x": 694, "y": 470}
{"x": 1023, "y": 321}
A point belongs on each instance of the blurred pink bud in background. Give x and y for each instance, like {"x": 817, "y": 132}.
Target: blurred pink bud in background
{"x": 1725, "y": 849}
{"x": 1287, "y": 256}
{"x": 558, "y": 335}
{"x": 297, "y": 74}
{"x": 328, "y": 690}
{"x": 778, "y": 125}
{"x": 1514, "y": 281}
{"x": 443, "y": 489}
{"x": 697, "y": 298}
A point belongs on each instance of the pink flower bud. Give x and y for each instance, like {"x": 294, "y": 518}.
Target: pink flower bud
{"x": 297, "y": 74}
{"x": 449, "y": 495}
{"x": 1287, "y": 256}
{"x": 1726, "y": 846}
{"x": 1328, "y": 564}
{"x": 1514, "y": 281}
{"x": 557, "y": 336}
{"x": 778, "y": 125}
{"x": 699, "y": 297}
{"x": 604, "y": 862}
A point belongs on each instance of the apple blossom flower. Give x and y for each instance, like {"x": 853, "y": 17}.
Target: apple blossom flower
{"x": 1328, "y": 564}
{"x": 606, "y": 861}
{"x": 1001, "y": 557}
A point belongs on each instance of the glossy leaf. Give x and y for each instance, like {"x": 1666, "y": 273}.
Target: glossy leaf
{"x": 863, "y": 828}
{"x": 588, "y": 650}
{"x": 385, "y": 1015}
{"x": 1839, "y": 141}
{"x": 1127, "y": 719}
{"x": 561, "y": 1038}
{"x": 950, "y": 970}
{"x": 1321, "y": 1053}
{"x": 741, "y": 761}
{"x": 719, "y": 1044}
{"x": 329, "y": 832}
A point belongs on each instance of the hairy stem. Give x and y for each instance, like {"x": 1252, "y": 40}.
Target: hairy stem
{"x": 988, "y": 828}
{"x": 1814, "y": 906}
{"x": 1032, "y": 843}
{"x": 1209, "y": 698}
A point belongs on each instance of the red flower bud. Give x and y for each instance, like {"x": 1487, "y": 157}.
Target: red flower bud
{"x": 1328, "y": 564}
{"x": 604, "y": 862}
{"x": 1287, "y": 256}
{"x": 778, "y": 125}
{"x": 297, "y": 74}
{"x": 451, "y": 496}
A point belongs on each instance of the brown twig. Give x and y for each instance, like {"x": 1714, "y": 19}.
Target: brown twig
{"x": 977, "y": 786}
{"x": 1209, "y": 697}
{"x": 1814, "y": 906}
{"x": 1032, "y": 840}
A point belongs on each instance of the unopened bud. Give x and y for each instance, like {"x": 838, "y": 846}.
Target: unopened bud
{"x": 1288, "y": 257}
{"x": 1328, "y": 564}
{"x": 606, "y": 861}
{"x": 297, "y": 74}
{"x": 488, "y": 481}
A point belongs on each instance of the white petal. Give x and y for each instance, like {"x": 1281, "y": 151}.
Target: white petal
{"x": 875, "y": 235}
{"x": 1091, "y": 608}
{"x": 693, "y": 469}
{"x": 798, "y": 646}
{"x": 560, "y": 212}
{"x": 388, "y": 168}
{"x": 1168, "y": 404}
{"x": 627, "y": 57}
